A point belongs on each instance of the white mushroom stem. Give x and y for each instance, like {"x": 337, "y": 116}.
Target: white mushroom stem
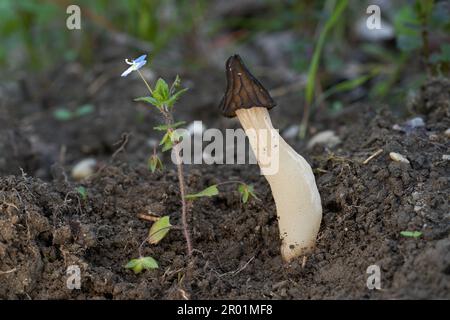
{"x": 293, "y": 185}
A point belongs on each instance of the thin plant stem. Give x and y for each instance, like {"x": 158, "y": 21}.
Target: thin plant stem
{"x": 146, "y": 83}
{"x": 183, "y": 201}
{"x": 184, "y": 211}
{"x": 305, "y": 120}
{"x": 230, "y": 182}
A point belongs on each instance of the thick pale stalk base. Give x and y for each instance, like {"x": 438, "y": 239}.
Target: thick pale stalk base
{"x": 293, "y": 185}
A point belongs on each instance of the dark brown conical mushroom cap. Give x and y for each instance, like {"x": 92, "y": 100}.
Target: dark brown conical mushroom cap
{"x": 243, "y": 89}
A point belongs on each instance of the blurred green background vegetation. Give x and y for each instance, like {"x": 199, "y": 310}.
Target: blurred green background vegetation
{"x": 415, "y": 45}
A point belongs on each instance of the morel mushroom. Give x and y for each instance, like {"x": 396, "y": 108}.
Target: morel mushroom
{"x": 293, "y": 184}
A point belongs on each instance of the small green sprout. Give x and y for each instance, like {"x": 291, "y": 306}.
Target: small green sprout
{"x": 155, "y": 163}
{"x": 142, "y": 263}
{"x": 159, "y": 230}
{"x": 82, "y": 192}
{"x": 411, "y": 234}
{"x": 208, "y": 192}
{"x": 63, "y": 114}
{"x": 246, "y": 191}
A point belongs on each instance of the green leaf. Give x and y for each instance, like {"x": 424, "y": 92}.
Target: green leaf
{"x": 63, "y": 114}
{"x": 243, "y": 190}
{"x": 245, "y": 197}
{"x": 135, "y": 265}
{"x": 83, "y": 192}
{"x": 166, "y": 141}
{"x": 132, "y": 263}
{"x": 159, "y": 165}
{"x": 175, "y": 85}
{"x": 167, "y": 145}
{"x": 84, "y": 110}
{"x": 411, "y": 234}
{"x": 149, "y": 263}
{"x": 208, "y": 192}
{"x": 171, "y": 101}
{"x": 251, "y": 192}
{"x": 152, "y": 164}
{"x": 161, "y": 91}
{"x": 155, "y": 163}
{"x": 165, "y": 138}
{"x": 159, "y": 230}
{"x": 347, "y": 85}
{"x": 165, "y": 127}
{"x": 246, "y": 192}
{"x": 150, "y": 100}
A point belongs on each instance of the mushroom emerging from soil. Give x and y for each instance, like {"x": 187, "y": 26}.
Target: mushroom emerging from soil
{"x": 293, "y": 185}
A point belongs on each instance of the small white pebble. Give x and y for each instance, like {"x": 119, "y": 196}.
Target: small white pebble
{"x": 398, "y": 157}
{"x": 446, "y": 157}
{"x": 416, "y": 122}
{"x": 327, "y": 138}
{"x": 409, "y": 125}
{"x": 447, "y": 132}
{"x": 84, "y": 168}
{"x": 433, "y": 137}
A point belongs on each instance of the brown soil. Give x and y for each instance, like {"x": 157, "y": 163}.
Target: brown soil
{"x": 45, "y": 226}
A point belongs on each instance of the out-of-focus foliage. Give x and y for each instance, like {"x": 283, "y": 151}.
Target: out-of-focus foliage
{"x": 25, "y": 26}
{"x": 336, "y": 60}
{"x": 37, "y": 28}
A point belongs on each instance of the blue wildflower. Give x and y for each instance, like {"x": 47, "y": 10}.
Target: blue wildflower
{"x": 135, "y": 65}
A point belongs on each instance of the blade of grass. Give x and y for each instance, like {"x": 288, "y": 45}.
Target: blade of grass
{"x": 312, "y": 72}
{"x": 347, "y": 85}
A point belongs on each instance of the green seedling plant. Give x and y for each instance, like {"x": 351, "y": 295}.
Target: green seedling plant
{"x": 63, "y": 114}
{"x": 246, "y": 191}
{"x": 154, "y": 162}
{"x": 163, "y": 97}
{"x": 411, "y": 234}
{"x": 82, "y": 191}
